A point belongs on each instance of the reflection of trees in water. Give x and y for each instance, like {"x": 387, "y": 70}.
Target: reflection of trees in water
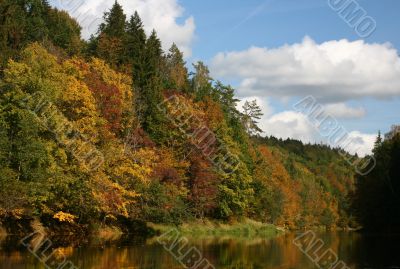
{"x": 355, "y": 250}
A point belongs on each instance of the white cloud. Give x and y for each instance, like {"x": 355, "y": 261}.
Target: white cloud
{"x": 334, "y": 71}
{"x": 290, "y": 124}
{"x": 361, "y": 143}
{"x": 341, "y": 110}
{"x": 295, "y": 125}
{"x": 161, "y": 15}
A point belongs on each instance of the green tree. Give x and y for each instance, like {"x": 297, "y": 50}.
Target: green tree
{"x": 135, "y": 43}
{"x": 251, "y": 113}
{"x": 114, "y": 24}
{"x": 376, "y": 200}
{"x": 111, "y": 37}
{"x": 148, "y": 89}
{"x": 21, "y": 22}
{"x": 64, "y": 31}
{"x": 175, "y": 72}
{"x": 201, "y": 82}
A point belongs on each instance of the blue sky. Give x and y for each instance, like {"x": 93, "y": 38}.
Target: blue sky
{"x": 278, "y": 22}
{"x": 275, "y": 23}
{"x": 279, "y": 51}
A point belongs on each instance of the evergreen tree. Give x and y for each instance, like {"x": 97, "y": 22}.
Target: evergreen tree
{"x": 225, "y": 95}
{"x": 135, "y": 40}
{"x": 201, "y": 81}
{"x": 148, "y": 88}
{"x": 378, "y": 141}
{"x": 112, "y": 36}
{"x": 36, "y": 11}
{"x": 26, "y": 21}
{"x": 114, "y": 22}
{"x": 64, "y": 31}
{"x": 376, "y": 200}
{"x": 251, "y": 113}
{"x": 175, "y": 72}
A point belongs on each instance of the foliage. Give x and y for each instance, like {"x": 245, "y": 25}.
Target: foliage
{"x": 157, "y": 164}
{"x": 26, "y": 21}
{"x": 64, "y": 217}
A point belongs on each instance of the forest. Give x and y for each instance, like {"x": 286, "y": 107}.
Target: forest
{"x": 88, "y": 136}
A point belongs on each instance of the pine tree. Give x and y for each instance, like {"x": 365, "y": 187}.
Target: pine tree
{"x": 175, "y": 72}
{"x": 251, "y": 113}
{"x": 36, "y": 29}
{"x": 21, "y": 22}
{"x": 148, "y": 88}
{"x": 64, "y": 31}
{"x": 378, "y": 141}
{"x": 201, "y": 81}
{"x": 114, "y": 22}
{"x": 135, "y": 50}
{"x": 112, "y": 36}
{"x": 226, "y": 97}
{"x": 135, "y": 39}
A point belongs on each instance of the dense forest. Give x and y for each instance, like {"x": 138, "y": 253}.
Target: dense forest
{"x": 376, "y": 201}
{"x": 112, "y": 130}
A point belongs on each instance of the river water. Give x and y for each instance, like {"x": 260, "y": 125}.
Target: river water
{"x": 353, "y": 249}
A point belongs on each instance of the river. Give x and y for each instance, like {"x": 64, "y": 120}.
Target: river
{"x": 353, "y": 249}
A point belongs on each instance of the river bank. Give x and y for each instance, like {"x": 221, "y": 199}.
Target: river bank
{"x": 199, "y": 228}
{"x": 246, "y": 228}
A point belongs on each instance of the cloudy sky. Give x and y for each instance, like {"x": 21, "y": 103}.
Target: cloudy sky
{"x": 281, "y": 51}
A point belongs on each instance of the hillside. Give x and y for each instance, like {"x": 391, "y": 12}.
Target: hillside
{"x": 114, "y": 130}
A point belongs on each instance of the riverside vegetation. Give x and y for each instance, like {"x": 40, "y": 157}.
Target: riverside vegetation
{"x": 108, "y": 91}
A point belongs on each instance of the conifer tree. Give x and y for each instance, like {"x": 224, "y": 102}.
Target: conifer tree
{"x": 135, "y": 49}
{"x": 114, "y": 22}
{"x": 251, "y": 113}
{"x": 21, "y": 22}
{"x": 175, "y": 72}
{"x": 201, "y": 83}
{"x": 148, "y": 88}
{"x": 111, "y": 36}
{"x": 135, "y": 40}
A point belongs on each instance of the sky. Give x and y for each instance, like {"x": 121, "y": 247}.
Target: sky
{"x": 280, "y": 52}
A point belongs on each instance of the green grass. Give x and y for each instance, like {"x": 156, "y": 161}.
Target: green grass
{"x": 247, "y": 228}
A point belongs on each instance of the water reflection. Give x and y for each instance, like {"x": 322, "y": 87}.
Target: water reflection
{"x": 355, "y": 250}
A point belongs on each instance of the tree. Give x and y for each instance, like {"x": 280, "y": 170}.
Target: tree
{"x": 36, "y": 11}
{"x": 234, "y": 194}
{"x": 251, "y": 113}
{"x": 114, "y": 24}
{"x": 21, "y": 22}
{"x": 148, "y": 89}
{"x": 64, "y": 31}
{"x": 203, "y": 186}
{"x": 175, "y": 74}
{"x": 225, "y": 95}
{"x": 201, "y": 82}
{"x": 378, "y": 141}
{"x": 135, "y": 44}
{"x": 111, "y": 36}
{"x": 376, "y": 200}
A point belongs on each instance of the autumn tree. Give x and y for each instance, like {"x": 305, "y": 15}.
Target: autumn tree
{"x": 203, "y": 186}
